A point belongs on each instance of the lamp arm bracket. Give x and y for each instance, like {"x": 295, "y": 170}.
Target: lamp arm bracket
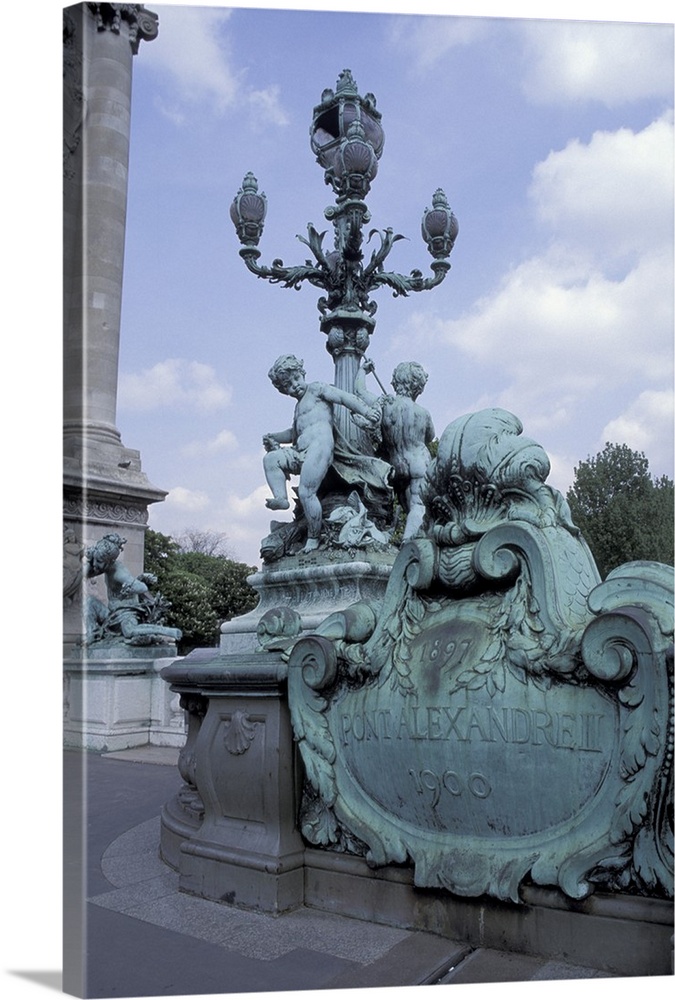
{"x": 278, "y": 274}
{"x": 402, "y": 284}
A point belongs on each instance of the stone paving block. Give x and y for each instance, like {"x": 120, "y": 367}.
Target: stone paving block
{"x": 560, "y": 970}
{"x": 127, "y": 898}
{"x": 124, "y": 870}
{"x": 333, "y": 934}
{"x": 143, "y": 838}
{"x": 418, "y": 958}
{"x": 487, "y": 966}
{"x": 199, "y": 918}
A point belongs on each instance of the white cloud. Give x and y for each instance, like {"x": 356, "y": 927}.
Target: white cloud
{"x": 646, "y": 425}
{"x": 561, "y": 475}
{"x": 247, "y": 521}
{"x": 244, "y": 519}
{"x": 266, "y": 106}
{"x": 571, "y": 325}
{"x": 175, "y": 382}
{"x": 174, "y": 112}
{"x": 428, "y": 39}
{"x": 612, "y": 63}
{"x": 182, "y": 499}
{"x": 224, "y": 441}
{"x": 613, "y": 195}
{"x": 243, "y": 506}
{"x": 194, "y": 52}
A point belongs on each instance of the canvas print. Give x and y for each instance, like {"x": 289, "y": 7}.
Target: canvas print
{"x": 368, "y": 500}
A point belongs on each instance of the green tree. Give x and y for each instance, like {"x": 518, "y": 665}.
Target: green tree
{"x": 622, "y": 511}
{"x": 191, "y": 610}
{"x": 204, "y": 590}
{"x": 158, "y": 550}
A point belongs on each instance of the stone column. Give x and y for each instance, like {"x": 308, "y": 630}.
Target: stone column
{"x": 105, "y": 488}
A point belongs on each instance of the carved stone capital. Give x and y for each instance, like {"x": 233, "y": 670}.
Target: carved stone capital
{"x": 143, "y": 24}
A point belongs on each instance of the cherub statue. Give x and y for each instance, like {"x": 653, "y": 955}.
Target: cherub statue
{"x": 406, "y": 429}
{"x": 310, "y": 440}
{"x": 132, "y": 612}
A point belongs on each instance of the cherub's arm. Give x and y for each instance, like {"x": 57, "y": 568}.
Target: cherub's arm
{"x": 89, "y": 570}
{"x": 332, "y": 394}
{"x": 360, "y": 382}
{"x": 275, "y": 438}
{"x": 430, "y": 433}
{"x": 125, "y": 579}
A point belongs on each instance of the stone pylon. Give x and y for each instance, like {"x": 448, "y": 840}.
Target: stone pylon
{"x": 105, "y": 488}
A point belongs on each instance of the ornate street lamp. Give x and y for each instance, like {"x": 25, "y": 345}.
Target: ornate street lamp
{"x": 439, "y": 229}
{"x": 333, "y": 117}
{"x": 347, "y": 138}
{"x": 248, "y": 211}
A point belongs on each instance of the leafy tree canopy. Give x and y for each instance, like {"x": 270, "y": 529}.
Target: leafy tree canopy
{"x": 203, "y": 585}
{"x": 622, "y": 511}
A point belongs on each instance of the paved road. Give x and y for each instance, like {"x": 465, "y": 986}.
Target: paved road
{"x": 142, "y": 937}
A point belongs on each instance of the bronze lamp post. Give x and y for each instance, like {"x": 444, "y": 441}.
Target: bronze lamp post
{"x": 347, "y": 138}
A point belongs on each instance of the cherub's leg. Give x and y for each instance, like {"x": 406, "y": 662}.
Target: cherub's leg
{"x": 313, "y": 514}
{"x": 416, "y": 509}
{"x": 132, "y": 629}
{"x": 95, "y": 614}
{"x": 313, "y": 471}
{"x": 276, "y": 480}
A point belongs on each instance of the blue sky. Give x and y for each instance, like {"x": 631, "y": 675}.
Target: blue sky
{"x": 553, "y": 141}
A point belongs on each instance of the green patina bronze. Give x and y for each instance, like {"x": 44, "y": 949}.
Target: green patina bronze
{"x": 133, "y": 615}
{"x": 501, "y": 715}
{"x": 346, "y": 500}
{"x": 347, "y": 138}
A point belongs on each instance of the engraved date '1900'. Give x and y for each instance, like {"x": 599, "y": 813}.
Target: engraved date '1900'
{"x": 428, "y": 781}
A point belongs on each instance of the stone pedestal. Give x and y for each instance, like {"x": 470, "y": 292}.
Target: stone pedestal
{"x": 240, "y": 770}
{"x": 114, "y": 699}
{"x": 312, "y": 588}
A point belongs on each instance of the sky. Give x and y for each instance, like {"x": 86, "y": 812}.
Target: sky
{"x": 553, "y": 141}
